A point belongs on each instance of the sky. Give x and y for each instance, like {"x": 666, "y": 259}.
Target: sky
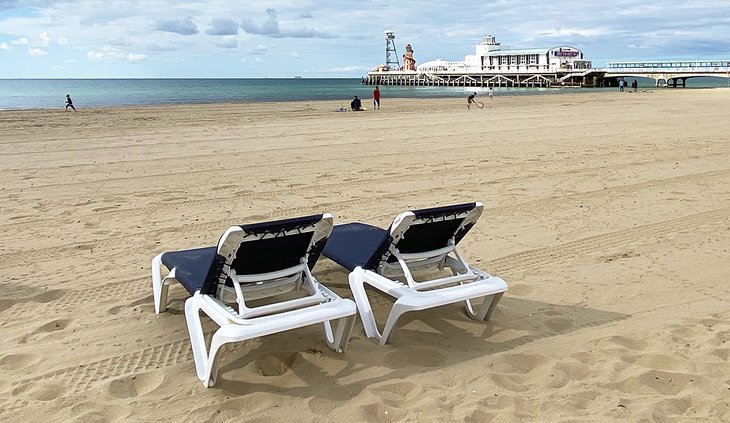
{"x": 331, "y": 39}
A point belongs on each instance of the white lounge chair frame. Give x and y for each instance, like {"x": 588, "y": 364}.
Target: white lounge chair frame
{"x": 465, "y": 284}
{"x": 321, "y": 305}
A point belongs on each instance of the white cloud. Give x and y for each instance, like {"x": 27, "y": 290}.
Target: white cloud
{"x": 227, "y": 42}
{"x": 36, "y": 52}
{"x": 62, "y": 41}
{"x": 347, "y": 69}
{"x": 259, "y": 50}
{"x": 135, "y": 57}
{"x": 5, "y": 46}
{"x": 44, "y": 39}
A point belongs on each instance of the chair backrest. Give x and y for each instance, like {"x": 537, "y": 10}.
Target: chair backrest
{"x": 268, "y": 247}
{"x": 424, "y": 230}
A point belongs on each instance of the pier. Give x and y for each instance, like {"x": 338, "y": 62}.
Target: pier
{"x": 492, "y": 65}
{"x": 523, "y": 79}
{"x": 665, "y": 74}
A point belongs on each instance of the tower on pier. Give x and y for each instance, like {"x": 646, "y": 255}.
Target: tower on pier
{"x": 391, "y": 56}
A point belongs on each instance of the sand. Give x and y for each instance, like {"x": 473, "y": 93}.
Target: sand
{"x": 608, "y": 214}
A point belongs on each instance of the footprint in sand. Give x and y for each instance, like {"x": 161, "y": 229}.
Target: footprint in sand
{"x": 6, "y": 304}
{"x": 424, "y": 358}
{"x": 39, "y": 391}
{"x": 48, "y": 328}
{"x": 382, "y": 413}
{"x": 664, "y": 362}
{"x": 94, "y": 412}
{"x": 394, "y": 394}
{"x": 19, "y": 361}
{"x": 479, "y": 416}
{"x": 517, "y": 363}
{"x": 558, "y": 325}
{"x": 655, "y": 382}
{"x": 49, "y": 296}
{"x": 136, "y": 385}
{"x": 514, "y": 383}
{"x": 609, "y": 342}
{"x": 322, "y": 406}
{"x": 43, "y": 298}
{"x": 275, "y": 365}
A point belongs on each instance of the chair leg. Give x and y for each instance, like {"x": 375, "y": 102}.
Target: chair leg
{"x": 357, "y": 285}
{"x": 205, "y": 366}
{"x": 338, "y": 340}
{"x": 489, "y": 304}
{"x": 492, "y": 306}
{"x": 395, "y": 313}
{"x": 159, "y": 289}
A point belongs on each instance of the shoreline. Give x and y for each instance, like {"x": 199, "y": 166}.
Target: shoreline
{"x": 367, "y": 101}
{"x": 12, "y": 98}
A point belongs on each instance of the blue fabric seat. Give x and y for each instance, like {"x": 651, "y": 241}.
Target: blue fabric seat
{"x": 354, "y": 244}
{"x": 191, "y": 266}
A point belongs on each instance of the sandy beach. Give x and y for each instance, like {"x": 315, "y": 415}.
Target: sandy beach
{"x": 608, "y": 214}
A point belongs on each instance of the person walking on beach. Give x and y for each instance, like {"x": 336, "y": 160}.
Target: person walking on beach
{"x": 69, "y": 102}
{"x": 634, "y": 86}
{"x": 376, "y": 98}
{"x": 470, "y": 100}
{"x": 621, "y": 86}
{"x": 490, "y": 93}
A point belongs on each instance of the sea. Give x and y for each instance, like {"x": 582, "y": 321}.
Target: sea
{"x": 51, "y": 93}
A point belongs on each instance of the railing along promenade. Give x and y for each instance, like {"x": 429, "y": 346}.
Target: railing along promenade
{"x": 668, "y": 73}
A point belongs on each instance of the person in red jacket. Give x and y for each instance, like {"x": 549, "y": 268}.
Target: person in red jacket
{"x": 376, "y": 98}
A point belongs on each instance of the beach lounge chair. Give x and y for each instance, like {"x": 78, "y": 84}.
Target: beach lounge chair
{"x": 264, "y": 270}
{"x": 420, "y": 242}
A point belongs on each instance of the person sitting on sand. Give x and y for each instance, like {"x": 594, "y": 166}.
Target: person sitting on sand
{"x": 356, "y": 105}
{"x": 470, "y": 100}
{"x": 69, "y": 102}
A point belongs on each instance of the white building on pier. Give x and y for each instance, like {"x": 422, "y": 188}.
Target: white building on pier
{"x": 491, "y": 58}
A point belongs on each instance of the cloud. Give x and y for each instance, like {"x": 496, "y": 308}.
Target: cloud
{"x": 135, "y": 57}
{"x": 5, "y": 46}
{"x": 347, "y": 69}
{"x": 8, "y": 4}
{"x": 259, "y": 50}
{"x": 109, "y": 52}
{"x": 270, "y": 27}
{"x": 227, "y": 42}
{"x": 36, "y": 52}
{"x": 182, "y": 26}
{"x": 222, "y": 27}
{"x": 44, "y": 39}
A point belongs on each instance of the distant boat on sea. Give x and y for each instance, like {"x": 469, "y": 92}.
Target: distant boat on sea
{"x": 298, "y": 77}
